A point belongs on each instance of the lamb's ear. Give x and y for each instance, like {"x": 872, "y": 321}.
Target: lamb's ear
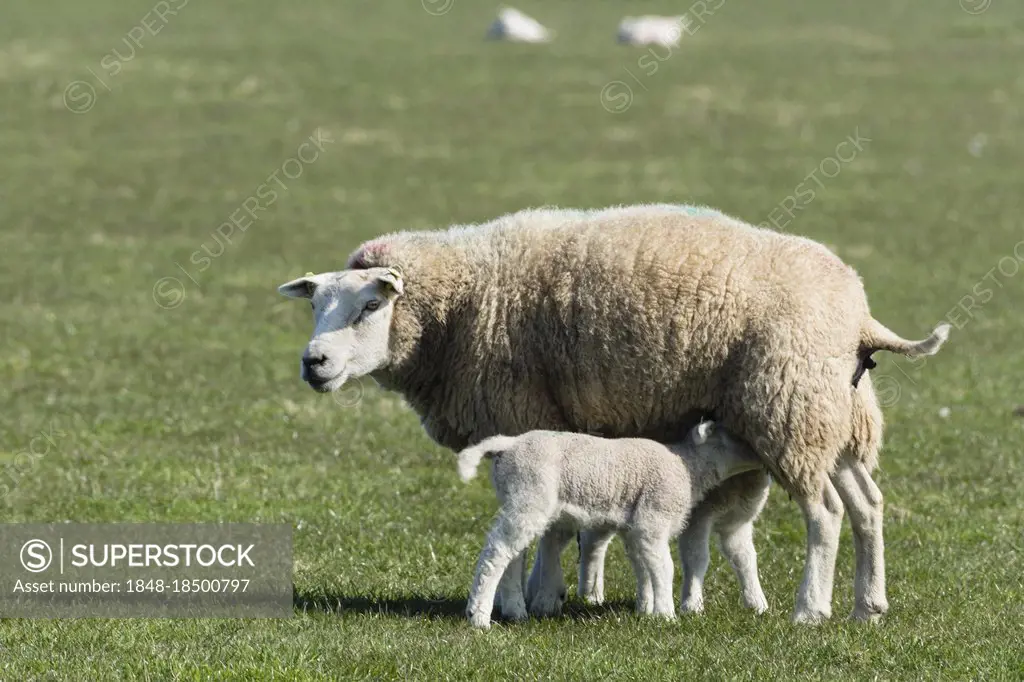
{"x": 391, "y": 283}
{"x": 703, "y": 431}
{"x": 303, "y": 287}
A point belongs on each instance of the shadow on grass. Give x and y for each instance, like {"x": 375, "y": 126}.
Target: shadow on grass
{"x": 429, "y": 606}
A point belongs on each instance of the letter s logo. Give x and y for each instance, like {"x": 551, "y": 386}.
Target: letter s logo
{"x": 36, "y": 556}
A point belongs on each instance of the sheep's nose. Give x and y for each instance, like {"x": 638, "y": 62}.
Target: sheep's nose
{"x": 312, "y": 360}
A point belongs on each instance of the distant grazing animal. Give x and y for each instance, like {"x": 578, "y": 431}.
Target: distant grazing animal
{"x": 652, "y": 30}
{"x": 517, "y": 27}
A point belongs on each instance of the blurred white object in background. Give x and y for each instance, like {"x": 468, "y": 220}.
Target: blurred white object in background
{"x": 652, "y": 30}
{"x": 515, "y": 26}
{"x": 976, "y": 146}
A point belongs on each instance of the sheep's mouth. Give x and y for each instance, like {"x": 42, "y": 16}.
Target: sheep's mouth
{"x": 326, "y": 385}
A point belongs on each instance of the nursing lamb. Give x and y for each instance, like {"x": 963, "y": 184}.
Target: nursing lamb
{"x": 631, "y": 322}
{"x": 552, "y": 479}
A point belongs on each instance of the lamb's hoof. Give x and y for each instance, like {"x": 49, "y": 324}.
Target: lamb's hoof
{"x": 480, "y": 621}
{"x": 693, "y": 605}
{"x": 516, "y": 613}
{"x": 591, "y": 594}
{"x": 645, "y": 609}
{"x": 546, "y": 605}
{"x": 593, "y": 597}
{"x": 810, "y": 617}
{"x": 758, "y": 604}
{"x": 870, "y": 614}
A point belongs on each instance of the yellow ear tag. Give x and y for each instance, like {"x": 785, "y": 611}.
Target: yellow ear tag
{"x": 308, "y": 274}
{"x": 396, "y": 272}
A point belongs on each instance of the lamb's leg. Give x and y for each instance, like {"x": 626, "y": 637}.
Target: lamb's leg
{"x": 664, "y": 604}
{"x": 593, "y": 548}
{"x": 652, "y": 552}
{"x": 644, "y": 579}
{"x": 824, "y": 517}
{"x": 512, "y": 602}
{"x": 694, "y": 555}
{"x": 734, "y": 525}
{"x": 506, "y": 541}
{"x": 738, "y": 547}
{"x": 546, "y": 591}
{"x": 863, "y": 500}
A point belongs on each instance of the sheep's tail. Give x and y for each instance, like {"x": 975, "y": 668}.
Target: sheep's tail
{"x": 876, "y": 336}
{"x": 469, "y": 459}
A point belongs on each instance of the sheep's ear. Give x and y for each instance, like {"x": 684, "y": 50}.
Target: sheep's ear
{"x": 702, "y": 432}
{"x": 303, "y": 287}
{"x": 391, "y": 283}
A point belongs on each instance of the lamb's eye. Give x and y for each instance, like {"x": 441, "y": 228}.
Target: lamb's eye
{"x": 372, "y": 304}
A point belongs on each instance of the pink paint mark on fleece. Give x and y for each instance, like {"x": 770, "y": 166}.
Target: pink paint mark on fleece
{"x": 368, "y": 255}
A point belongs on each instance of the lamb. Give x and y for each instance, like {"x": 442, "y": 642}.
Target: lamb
{"x": 641, "y": 488}
{"x": 631, "y": 322}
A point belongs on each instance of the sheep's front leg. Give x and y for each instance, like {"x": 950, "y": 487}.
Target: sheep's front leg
{"x": 546, "y": 591}
{"x": 824, "y": 517}
{"x": 695, "y": 556}
{"x": 863, "y": 500}
{"x": 593, "y": 548}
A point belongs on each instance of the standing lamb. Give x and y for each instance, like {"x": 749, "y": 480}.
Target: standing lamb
{"x": 627, "y": 322}
{"x": 569, "y": 481}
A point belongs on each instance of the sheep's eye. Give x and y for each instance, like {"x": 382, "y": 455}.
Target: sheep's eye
{"x": 372, "y": 304}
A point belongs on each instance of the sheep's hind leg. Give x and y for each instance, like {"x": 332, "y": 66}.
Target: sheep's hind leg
{"x": 651, "y": 552}
{"x": 593, "y": 548}
{"x": 546, "y": 591}
{"x": 863, "y": 500}
{"x": 642, "y": 571}
{"x": 824, "y": 517}
{"x": 510, "y": 598}
{"x": 506, "y": 541}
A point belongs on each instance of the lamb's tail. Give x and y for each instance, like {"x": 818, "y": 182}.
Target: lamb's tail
{"x": 876, "y": 336}
{"x": 469, "y": 459}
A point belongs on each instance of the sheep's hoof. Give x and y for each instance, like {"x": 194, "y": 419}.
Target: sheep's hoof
{"x": 810, "y": 617}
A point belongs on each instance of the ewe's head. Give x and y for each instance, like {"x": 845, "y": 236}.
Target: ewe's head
{"x": 351, "y": 323}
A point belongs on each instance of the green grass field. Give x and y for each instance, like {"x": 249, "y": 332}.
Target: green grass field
{"x": 170, "y": 403}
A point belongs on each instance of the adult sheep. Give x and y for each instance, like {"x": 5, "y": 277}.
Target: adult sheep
{"x": 633, "y": 321}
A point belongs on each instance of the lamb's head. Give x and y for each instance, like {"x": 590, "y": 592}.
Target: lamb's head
{"x": 352, "y": 312}
{"x": 729, "y": 454}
